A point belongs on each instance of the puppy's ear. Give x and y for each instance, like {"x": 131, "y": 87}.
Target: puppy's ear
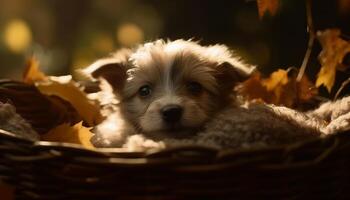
{"x": 112, "y": 69}
{"x": 228, "y": 75}
{"x": 113, "y": 73}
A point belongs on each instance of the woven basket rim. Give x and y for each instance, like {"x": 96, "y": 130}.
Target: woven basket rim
{"x": 43, "y": 143}
{"x": 39, "y": 169}
{"x": 271, "y": 155}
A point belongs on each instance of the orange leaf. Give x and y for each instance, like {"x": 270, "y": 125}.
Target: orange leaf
{"x": 280, "y": 89}
{"x": 267, "y": 6}
{"x": 32, "y": 72}
{"x": 77, "y": 134}
{"x": 331, "y": 57}
{"x": 67, "y": 89}
{"x": 277, "y": 79}
{"x": 278, "y": 85}
{"x": 253, "y": 89}
{"x": 306, "y": 89}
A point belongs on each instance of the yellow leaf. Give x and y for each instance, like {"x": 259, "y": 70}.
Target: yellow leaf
{"x": 67, "y": 89}
{"x": 32, "y": 72}
{"x": 326, "y": 77}
{"x": 77, "y": 134}
{"x": 270, "y": 6}
{"x": 331, "y": 57}
{"x": 276, "y": 84}
{"x": 277, "y": 78}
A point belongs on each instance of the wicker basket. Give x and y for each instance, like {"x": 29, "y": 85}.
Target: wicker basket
{"x": 314, "y": 169}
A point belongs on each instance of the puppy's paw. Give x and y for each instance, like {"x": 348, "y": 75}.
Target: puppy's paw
{"x": 140, "y": 143}
{"x": 112, "y": 132}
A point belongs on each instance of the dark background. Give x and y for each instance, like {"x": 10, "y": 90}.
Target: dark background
{"x": 66, "y": 35}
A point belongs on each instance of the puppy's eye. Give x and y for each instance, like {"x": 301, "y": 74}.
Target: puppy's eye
{"x": 194, "y": 87}
{"x": 145, "y": 91}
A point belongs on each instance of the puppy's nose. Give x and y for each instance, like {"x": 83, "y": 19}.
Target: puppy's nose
{"x": 171, "y": 113}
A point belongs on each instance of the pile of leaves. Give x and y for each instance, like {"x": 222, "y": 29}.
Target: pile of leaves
{"x": 57, "y": 107}
{"x": 291, "y": 87}
{"x": 282, "y": 87}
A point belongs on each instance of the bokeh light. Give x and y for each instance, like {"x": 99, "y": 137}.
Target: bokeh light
{"x": 129, "y": 34}
{"x": 17, "y": 36}
{"x": 66, "y": 35}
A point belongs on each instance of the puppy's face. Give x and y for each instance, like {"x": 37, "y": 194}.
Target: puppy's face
{"x": 170, "y": 94}
{"x": 171, "y": 89}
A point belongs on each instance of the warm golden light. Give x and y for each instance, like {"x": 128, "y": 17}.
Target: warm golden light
{"x": 129, "y": 34}
{"x": 103, "y": 43}
{"x": 17, "y": 35}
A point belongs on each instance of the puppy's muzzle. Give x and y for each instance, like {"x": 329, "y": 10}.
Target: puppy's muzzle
{"x": 171, "y": 113}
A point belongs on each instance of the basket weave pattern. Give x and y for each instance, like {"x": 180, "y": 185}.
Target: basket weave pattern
{"x": 317, "y": 169}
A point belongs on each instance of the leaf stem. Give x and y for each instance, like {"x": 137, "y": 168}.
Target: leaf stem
{"x": 346, "y": 82}
{"x": 310, "y": 44}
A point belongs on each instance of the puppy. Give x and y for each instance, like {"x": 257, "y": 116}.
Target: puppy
{"x": 171, "y": 89}
{"x": 179, "y": 92}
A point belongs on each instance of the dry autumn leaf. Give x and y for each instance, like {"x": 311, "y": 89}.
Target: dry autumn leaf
{"x": 280, "y": 88}
{"x": 283, "y": 88}
{"x": 306, "y": 89}
{"x": 32, "y": 72}
{"x": 44, "y": 112}
{"x": 253, "y": 89}
{"x": 77, "y": 134}
{"x": 333, "y": 51}
{"x": 67, "y": 89}
{"x": 267, "y": 6}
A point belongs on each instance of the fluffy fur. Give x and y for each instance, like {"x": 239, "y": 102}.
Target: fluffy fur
{"x": 179, "y": 92}
{"x": 12, "y": 122}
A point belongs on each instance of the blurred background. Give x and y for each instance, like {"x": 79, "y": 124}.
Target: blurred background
{"x": 67, "y": 35}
